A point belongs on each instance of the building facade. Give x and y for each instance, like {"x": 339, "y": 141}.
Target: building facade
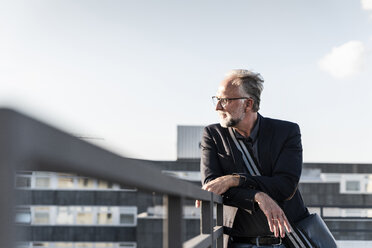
{"x": 65, "y": 210}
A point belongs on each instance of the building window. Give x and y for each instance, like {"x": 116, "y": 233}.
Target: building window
{"x": 83, "y": 245}
{"x": 86, "y": 183}
{"x": 42, "y": 182}
{"x": 127, "y": 245}
{"x": 354, "y": 212}
{"x": 368, "y": 186}
{"x": 23, "y": 182}
{"x": 65, "y": 216}
{"x": 84, "y": 216}
{"x": 53, "y": 180}
{"x": 126, "y": 188}
{"x": 126, "y": 219}
{"x": 39, "y": 245}
{"x": 353, "y": 186}
{"x": 347, "y": 212}
{"x": 104, "y": 185}
{"x": 128, "y": 216}
{"x": 332, "y": 212}
{"x": 23, "y": 215}
{"x": 64, "y": 245}
{"x": 76, "y": 215}
{"x": 65, "y": 182}
{"x": 41, "y": 215}
{"x": 23, "y": 245}
{"x": 41, "y": 218}
{"x": 76, "y": 245}
{"x": 104, "y": 245}
{"x": 105, "y": 216}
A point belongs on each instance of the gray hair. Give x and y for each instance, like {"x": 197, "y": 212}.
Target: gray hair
{"x": 251, "y": 83}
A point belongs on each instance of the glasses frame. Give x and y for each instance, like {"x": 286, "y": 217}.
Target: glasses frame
{"x": 225, "y": 100}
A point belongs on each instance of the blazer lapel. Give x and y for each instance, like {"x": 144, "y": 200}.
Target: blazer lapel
{"x": 264, "y": 143}
{"x": 239, "y": 166}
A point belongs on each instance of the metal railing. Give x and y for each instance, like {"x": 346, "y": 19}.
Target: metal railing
{"x": 27, "y": 144}
{"x": 346, "y": 227}
{"x": 341, "y": 207}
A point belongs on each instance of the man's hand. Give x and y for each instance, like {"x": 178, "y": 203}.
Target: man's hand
{"x": 274, "y": 214}
{"x": 220, "y": 185}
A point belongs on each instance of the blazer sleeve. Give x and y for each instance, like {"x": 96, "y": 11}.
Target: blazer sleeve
{"x": 286, "y": 165}
{"x": 210, "y": 168}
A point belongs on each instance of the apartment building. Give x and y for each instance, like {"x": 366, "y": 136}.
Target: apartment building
{"x": 66, "y": 210}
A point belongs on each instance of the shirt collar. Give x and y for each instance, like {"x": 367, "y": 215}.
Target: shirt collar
{"x": 254, "y": 134}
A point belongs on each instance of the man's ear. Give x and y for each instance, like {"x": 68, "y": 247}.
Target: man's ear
{"x": 249, "y": 103}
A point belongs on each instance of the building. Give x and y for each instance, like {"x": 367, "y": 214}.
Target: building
{"x": 64, "y": 210}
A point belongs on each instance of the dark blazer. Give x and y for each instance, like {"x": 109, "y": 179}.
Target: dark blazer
{"x": 280, "y": 159}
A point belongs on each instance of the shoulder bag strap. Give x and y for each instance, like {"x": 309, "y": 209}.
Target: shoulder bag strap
{"x": 248, "y": 161}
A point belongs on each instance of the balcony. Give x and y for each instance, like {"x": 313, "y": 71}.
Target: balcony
{"x": 29, "y": 145}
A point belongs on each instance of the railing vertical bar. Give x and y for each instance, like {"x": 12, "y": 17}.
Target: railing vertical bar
{"x": 7, "y": 165}
{"x": 219, "y": 223}
{"x": 173, "y": 228}
{"x": 6, "y": 205}
{"x": 207, "y": 218}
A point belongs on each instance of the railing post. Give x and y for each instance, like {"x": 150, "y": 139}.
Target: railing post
{"x": 7, "y": 165}
{"x": 220, "y": 223}
{"x": 207, "y": 218}
{"x": 172, "y": 225}
{"x": 6, "y": 205}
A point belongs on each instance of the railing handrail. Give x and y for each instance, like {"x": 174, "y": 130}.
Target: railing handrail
{"x": 333, "y": 205}
{"x": 28, "y": 144}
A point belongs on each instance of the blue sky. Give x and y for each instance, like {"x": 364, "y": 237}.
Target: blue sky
{"x": 129, "y": 72}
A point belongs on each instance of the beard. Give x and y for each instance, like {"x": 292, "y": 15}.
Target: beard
{"x": 226, "y": 120}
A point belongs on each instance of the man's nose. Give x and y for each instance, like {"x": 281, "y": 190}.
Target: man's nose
{"x": 219, "y": 106}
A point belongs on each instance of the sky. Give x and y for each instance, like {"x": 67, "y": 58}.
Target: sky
{"x": 128, "y": 72}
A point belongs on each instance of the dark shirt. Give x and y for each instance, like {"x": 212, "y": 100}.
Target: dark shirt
{"x": 252, "y": 140}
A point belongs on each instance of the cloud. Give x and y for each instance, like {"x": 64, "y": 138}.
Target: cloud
{"x": 366, "y": 4}
{"x": 344, "y": 61}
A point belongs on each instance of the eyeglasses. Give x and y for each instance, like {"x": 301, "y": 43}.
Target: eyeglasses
{"x": 225, "y": 101}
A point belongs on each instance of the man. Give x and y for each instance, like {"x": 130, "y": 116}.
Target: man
{"x": 266, "y": 203}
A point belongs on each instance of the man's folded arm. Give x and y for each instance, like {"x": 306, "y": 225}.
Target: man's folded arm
{"x": 283, "y": 183}
{"x": 210, "y": 170}
{"x": 241, "y": 198}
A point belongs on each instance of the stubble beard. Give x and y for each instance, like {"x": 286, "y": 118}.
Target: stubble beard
{"x": 229, "y": 121}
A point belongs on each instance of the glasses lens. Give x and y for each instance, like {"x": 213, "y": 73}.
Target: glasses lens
{"x": 215, "y": 100}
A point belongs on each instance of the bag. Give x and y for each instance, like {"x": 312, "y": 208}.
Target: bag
{"x": 316, "y": 231}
